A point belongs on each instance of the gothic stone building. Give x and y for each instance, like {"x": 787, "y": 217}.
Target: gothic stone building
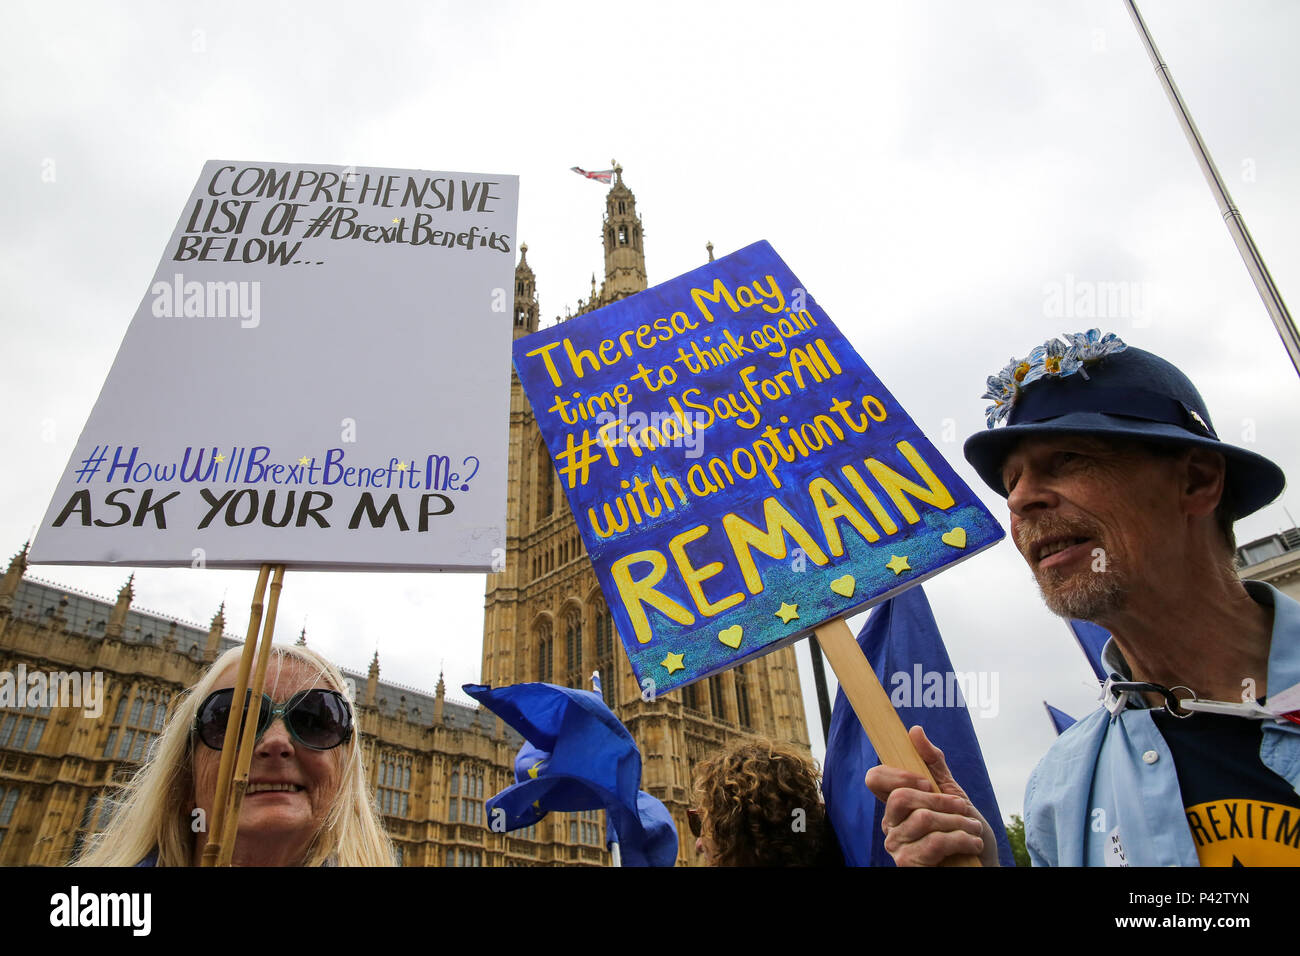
{"x": 432, "y": 761}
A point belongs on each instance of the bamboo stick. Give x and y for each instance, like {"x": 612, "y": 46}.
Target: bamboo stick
{"x": 248, "y": 739}
{"x": 225, "y": 772}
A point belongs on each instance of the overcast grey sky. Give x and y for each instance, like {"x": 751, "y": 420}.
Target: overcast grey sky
{"x": 937, "y": 174}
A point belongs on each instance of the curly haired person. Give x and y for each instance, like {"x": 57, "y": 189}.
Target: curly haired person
{"x": 760, "y": 804}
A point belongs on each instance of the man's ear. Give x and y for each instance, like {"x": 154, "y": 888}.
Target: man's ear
{"x": 1203, "y": 481}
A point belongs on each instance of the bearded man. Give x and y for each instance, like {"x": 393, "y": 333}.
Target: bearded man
{"x": 1121, "y": 500}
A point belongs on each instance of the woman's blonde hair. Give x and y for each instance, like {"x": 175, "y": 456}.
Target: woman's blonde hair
{"x": 154, "y": 810}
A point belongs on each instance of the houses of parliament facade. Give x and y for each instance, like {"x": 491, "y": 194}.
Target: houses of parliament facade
{"x": 432, "y": 761}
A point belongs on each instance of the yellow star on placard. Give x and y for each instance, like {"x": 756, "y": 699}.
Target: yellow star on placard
{"x": 218, "y": 458}
{"x": 402, "y": 467}
{"x": 788, "y": 612}
{"x": 397, "y": 219}
{"x": 673, "y": 662}
{"x": 898, "y": 564}
{"x": 304, "y": 460}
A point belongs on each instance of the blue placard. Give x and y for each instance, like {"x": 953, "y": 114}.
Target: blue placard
{"x": 737, "y": 472}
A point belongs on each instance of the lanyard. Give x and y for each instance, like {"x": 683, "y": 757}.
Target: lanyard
{"x": 1115, "y": 696}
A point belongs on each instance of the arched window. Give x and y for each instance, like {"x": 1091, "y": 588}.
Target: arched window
{"x": 715, "y": 693}
{"x": 622, "y": 235}
{"x": 132, "y": 731}
{"x": 603, "y": 624}
{"x": 394, "y": 789}
{"x": 604, "y": 629}
{"x": 573, "y": 639}
{"x": 544, "y": 670}
{"x": 742, "y": 698}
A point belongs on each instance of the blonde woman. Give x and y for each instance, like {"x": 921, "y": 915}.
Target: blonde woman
{"x": 306, "y": 804}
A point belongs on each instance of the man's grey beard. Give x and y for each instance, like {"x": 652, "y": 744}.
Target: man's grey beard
{"x": 1086, "y": 595}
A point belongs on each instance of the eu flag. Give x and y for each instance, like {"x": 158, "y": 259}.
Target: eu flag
{"x": 1092, "y": 638}
{"x": 901, "y": 639}
{"x": 1061, "y": 721}
{"x": 658, "y": 846}
{"x": 577, "y": 756}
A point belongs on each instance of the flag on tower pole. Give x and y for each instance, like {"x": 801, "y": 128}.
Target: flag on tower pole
{"x": 605, "y": 176}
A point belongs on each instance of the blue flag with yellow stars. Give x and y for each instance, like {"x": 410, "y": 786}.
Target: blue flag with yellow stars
{"x": 577, "y": 756}
{"x": 902, "y": 642}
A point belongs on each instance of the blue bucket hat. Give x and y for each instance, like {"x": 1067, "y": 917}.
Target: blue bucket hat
{"x": 1097, "y": 385}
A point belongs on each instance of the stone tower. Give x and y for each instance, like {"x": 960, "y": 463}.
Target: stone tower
{"x": 545, "y": 618}
{"x": 624, "y": 253}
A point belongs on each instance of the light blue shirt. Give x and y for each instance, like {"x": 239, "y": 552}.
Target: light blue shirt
{"x": 1107, "y": 794}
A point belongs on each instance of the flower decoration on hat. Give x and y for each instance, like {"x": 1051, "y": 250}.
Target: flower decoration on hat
{"x": 1088, "y": 348}
{"x": 1003, "y": 389}
{"x": 1046, "y": 359}
{"x": 1053, "y": 359}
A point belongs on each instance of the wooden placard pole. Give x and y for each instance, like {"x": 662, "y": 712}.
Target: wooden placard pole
{"x": 248, "y": 738}
{"x": 884, "y": 729}
{"x": 225, "y": 771}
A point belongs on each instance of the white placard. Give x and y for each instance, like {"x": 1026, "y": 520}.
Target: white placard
{"x": 318, "y": 375}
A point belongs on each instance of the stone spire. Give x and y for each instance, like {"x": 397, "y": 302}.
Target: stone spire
{"x": 213, "y": 644}
{"x": 624, "y": 254}
{"x": 302, "y": 637}
{"x": 439, "y": 695}
{"x": 372, "y": 680}
{"x": 709, "y": 246}
{"x": 9, "y": 583}
{"x": 117, "y": 617}
{"x": 525, "y": 295}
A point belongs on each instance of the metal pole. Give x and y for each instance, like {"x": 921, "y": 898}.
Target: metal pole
{"x": 1259, "y": 274}
{"x": 819, "y": 678}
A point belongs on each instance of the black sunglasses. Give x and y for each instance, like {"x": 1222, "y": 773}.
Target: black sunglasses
{"x": 695, "y": 820}
{"x": 319, "y": 719}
